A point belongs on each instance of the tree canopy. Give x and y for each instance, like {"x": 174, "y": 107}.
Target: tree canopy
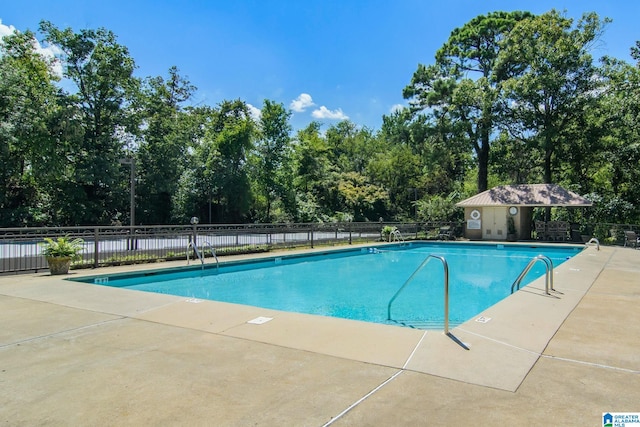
{"x": 510, "y": 97}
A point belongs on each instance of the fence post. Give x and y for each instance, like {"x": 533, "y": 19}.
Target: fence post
{"x": 311, "y": 235}
{"x": 129, "y": 238}
{"x": 96, "y": 246}
{"x": 349, "y": 225}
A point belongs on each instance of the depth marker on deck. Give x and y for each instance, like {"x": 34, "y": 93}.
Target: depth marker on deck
{"x": 260, "y": 320}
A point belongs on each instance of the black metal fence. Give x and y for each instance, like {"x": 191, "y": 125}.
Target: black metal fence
{"x": 20, "y": 248}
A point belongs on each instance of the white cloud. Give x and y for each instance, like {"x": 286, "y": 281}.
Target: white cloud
{"x": 6, "y": 30}
{"x": 254, "y": 112}
{"x": 48, "y": 52}
{"x": 396, "y": 107}
{"x": 324, "y": 113}
{"x": 301, "y": 103}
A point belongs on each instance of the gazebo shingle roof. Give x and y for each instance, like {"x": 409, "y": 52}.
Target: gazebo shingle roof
{"x": 526, "y": 195}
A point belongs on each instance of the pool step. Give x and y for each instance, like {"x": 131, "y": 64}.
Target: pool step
{"x": 423, "y": 324}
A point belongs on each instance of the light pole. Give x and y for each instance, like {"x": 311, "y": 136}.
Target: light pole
{"x": 132, "y": 204}
{"x": 194, "y": 223}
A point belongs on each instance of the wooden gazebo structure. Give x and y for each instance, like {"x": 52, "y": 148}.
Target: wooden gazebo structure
{"x": 487, "y": 214}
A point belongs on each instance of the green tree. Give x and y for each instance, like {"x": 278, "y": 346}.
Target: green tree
{"x": 102, "y": 71}
{"x": 350, "y": 147}
{"x": 273, "y": 159}
{"x": 167, "y": 135}
{"x": 425, "y": 155}
{"x": 618, "y": 174}
{"x": 195, "y": 187}
{"x": 463, "y": 84}
{"x": 438, "y": 208}
{"x": 30, "y": 158}
{"x": 361, "y": 199}
{"x": 513, "y": 161}
{"x": 223, "y": 159}
{"x": 313, "y": 171}
{"x": 550, "y": 81}
{"x": 399, "y": 171}
{"x": 398, "y": 165}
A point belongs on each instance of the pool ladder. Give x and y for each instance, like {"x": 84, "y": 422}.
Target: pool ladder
{"x": 548, "y": 282}
{"x": 200, "y": 255}
{"x": 446, "y": 288}
{"x": 397, "y": 236}
{"x": 594, "y": 240}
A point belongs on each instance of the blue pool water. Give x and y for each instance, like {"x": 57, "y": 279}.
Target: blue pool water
{"x": 358, "y": 284}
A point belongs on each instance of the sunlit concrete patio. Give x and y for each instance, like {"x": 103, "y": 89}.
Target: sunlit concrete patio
{"x": 78, "y": 354}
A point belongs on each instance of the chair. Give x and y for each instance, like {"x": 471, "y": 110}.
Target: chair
{"x": 541, "y": 230}
{"x": 552, "y": 230}
{"x": 445, "y": 233}
{"x": 563, "y": 230}
{"x": 631, "y": 238}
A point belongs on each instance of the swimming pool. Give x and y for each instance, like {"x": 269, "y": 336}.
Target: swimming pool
{"x": 359, "y": 283}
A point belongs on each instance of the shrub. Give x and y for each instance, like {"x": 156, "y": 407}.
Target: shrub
{"x": 62, "y": 247}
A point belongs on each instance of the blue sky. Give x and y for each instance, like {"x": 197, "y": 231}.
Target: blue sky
{"x": 325, "y": 60}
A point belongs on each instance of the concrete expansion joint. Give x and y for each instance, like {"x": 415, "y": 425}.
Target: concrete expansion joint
{"x": 362, "y": 399}
{"x": 157, "y": 307}
{"x": 388, "y": 380}
{"x": 597, "y": 365}
{"x": 54, "y": 334}
{"x": 500, "y": 342}
{"x": 608, "y": 261}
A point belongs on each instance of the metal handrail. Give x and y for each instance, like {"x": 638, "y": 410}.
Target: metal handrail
{"x": 446, "y": 288}
{"x": 213, "y": 253}
{"x": 200, "y": 255}
{"x": 594, "y": 240}
{"x": 397, "y": 236}
{"x": 193, "y": 246}
{"x": 548, "y": 283}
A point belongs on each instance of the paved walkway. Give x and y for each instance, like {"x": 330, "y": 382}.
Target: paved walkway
{"x": 79, "y": 354}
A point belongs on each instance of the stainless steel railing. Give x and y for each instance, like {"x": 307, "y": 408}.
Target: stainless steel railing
{"x": 200, "y": 254}
{"x": 596, "y": 241}
{"x": 446, "y": 288}
{"x": 548, "y": 283}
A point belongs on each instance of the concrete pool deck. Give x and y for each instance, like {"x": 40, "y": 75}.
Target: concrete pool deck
{"x": 72, "y": 353}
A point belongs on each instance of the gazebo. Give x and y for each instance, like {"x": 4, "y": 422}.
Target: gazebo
{"x": 488, "y": 214}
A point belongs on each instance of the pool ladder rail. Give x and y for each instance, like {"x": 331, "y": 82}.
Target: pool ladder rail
{"x": 446, "y": 288}
{"x": 396, "y": 236}
{"x": 594, "y": 240}
{"x": 201, "y": 255}
{"x": 548, "y": 281}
